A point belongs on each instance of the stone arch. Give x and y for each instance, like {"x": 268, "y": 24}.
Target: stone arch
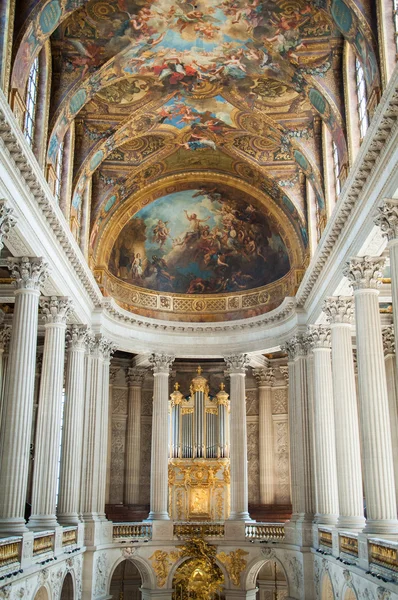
{"x": 257, "y": 563}
{"x": 349, "y": 593}
{"x": 180, "y": 561}
{"x": 68, "y": 588}
{"x": 42, "y": 594}
{"x": 148, "y": 578}
{"x": 327, "y": 592}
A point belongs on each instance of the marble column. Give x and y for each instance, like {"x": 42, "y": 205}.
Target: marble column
{"x": 364, "y": 273}
{"x": 72, "y": 435}
{"x": 5, "y": 335}
{"x": 265, "y": 378}
{"x": 135, "y": 378}
{"x": 339, "y": 312}
{"x": 112, "y": 376}
{"x": 29, "y": 274}
{"x": 387, "y": 220}
{"x": 237, "y": 366}
{"x": 95, "y": 429}
{"x": 327, "y": 504}
{"x": 391, "y": 375}
{"x": 161, "y": 364}
{"x": 55, "y": 311}
{"x": 300, "y": 427}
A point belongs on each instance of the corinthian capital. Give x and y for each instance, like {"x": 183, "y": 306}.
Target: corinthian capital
{"x": 7, "y": 220}
{"x": 29, "y": 273}
{"x": 5, "y": 334}
{"x": 296, "y": 346}
{"x": 387, "y": 218}
{"x": 265, "y": 376}
{"x": 364, "y": 272}
{"x": 339, "y": 309}
{"x": 100, "y": 347}
{"x": 388, "y": 339}
{"x": 55, "y": 309}
{"x": 77, "y": 337}
{"x": 161, "y": 363}
{"x": 237, "y": 363}
{"x": 318, "y": 336}
{"x": 135, "y": 376}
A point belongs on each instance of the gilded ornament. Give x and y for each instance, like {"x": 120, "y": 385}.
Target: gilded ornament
{"x": 161, "y": 563}
{"x": 235, "y": 563}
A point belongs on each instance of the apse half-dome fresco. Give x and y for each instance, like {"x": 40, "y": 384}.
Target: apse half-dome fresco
{"x": 199, "y": 241}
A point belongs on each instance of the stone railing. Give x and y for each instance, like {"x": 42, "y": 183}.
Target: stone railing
{"x": 10, "y": 551}
{"x": 348, "y": 544}
{"x": 383, "y": 554}
{"x": 265, "y": 531}
{"x": 191, "y": 529}
{"x": 43, "y": 543}
{"x": 132, "y": 530}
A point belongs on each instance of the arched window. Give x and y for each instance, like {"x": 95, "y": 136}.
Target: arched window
{"x": 336, "y": 169}
{"x": 58, "y": 172}
{"x": 395, "y": 7}
{"x": 31, "y": 101}
{"x": 362, "y": 99}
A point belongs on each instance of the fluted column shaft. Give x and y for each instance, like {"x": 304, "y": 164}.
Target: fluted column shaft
{"x": 348, "y": 450}
{"x": 391, "y": 375}
{"x": 373, "y": 399}
{"x": 48, "y": 432}
{"x": 5, "y": 334}
{"x": 265, "y": 378}
{"x": 161, "y": 364}
{"x": 112, "y": 376}
{"x": 72, "y": 436}
{"x": 133, "y": 439}
{"x": 107, "y": 350}
{"x": 238, "y": 452}
{"x": 327, "y": 506}
{"x": 18, "y": 394}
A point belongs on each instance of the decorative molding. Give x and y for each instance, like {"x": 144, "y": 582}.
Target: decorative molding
{"x": 161, "y": 363}
{"x": 29, "y": 273}
{"x": 7, "y": 221}
{"x": 237, "y": 363}
{"x": 388, "y": 339}
{"x": 318, "y": 337}
{"x": 339, "y": 309}
{"x": 387, "y": 218}
{"x": 265, "y": 377}
{"x": 364, "y": 272}
{"x": 55, "y": 309}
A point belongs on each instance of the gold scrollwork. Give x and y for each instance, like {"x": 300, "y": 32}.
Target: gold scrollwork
{"x": 161, "y": 563}
{"x": 234, "y": 563}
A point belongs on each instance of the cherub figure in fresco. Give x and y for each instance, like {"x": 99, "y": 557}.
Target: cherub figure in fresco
{"x": 186, "y": 14}
{"x": 161, "y": 232}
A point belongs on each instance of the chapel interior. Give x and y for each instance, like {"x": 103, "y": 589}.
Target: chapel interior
{"x": 198, "y": 288}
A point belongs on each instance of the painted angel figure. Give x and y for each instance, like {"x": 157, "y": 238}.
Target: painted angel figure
{"x": 161, "y": 232}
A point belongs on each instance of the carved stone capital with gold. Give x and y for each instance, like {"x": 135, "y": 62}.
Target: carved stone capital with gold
{"x": 265, "y": 376}
{"x": 364, "y": 272}
{"x": 339, "y": 309}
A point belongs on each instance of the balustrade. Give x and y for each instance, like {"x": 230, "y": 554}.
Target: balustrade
{"x": 132, "y": 530}
{"x": 265, "y": 531}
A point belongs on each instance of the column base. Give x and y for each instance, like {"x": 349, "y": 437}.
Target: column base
{"x": 351, "y": 523}
{"x": 329, "y": 520}
{"x": 158, "y": 516}
{"x": 239, "y": 516}
{"x": 68, "y": 519}
{"x": 386, "y": 526}
{"x": 42, "y": 522}
{"x": 16, "y": 525}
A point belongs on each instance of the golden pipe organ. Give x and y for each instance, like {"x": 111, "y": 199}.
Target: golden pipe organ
{"x": 199, "y": 453}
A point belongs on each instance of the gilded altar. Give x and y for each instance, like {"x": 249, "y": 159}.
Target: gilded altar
{"x": 199, "y": 453}
{"x": 199, "y": 489}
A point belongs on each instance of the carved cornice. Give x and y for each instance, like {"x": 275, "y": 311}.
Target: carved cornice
{"x": 318, "y": 337}
{"x": 161, "y": 363}
{"x": 339, "y": 309}
{"x": 388, "y": 339}
{"x": 5, "y": 335}
{"x": 135, "y": 376}
{"x": 295, "y": 347}
{"x": 55, "y": 309}
{"x": 77, "y": 337}
{"x": 29, "y": 273}
{"x": 364, "y": 272}
{"x": 387, "y": 218}
{"x": 237, "y": 363}
{"x": 265, "y": 377}
{"x": 7, "y": 220}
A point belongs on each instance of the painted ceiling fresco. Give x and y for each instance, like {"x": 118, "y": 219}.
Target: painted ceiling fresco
{"x": 159, "y": 89}
{"x": 199, "y": 241}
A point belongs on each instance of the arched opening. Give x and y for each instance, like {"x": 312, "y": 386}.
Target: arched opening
{"x": 271, "y": 582}
{"x": 327, "y": 588}
{"x": 41, "y": 594}
{"x": 67, "y": 588}
{"x": 350, "y": 595}
{"x": 198, "y": 578}
{"x": 126, "y": 582}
